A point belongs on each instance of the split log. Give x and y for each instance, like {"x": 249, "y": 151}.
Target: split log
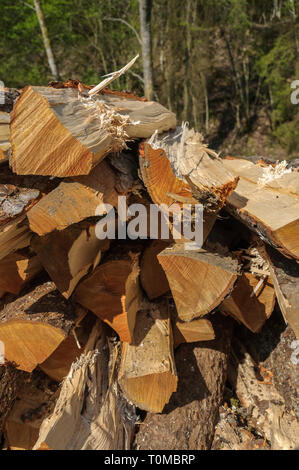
{"x": 192, "y": 332}
{"x": 34, "y": 325}
{"x": 147, "y": 372}
{"x": 35, "y": 400}
{"x": 247, "y": 306}
{"x": 152, "y": 276}
{"x": 4, "y": 136}
{"x": 112, "y": 293}
{"x": 90, "y": 394}
{"x": 189, "y": 420}
{"x": 68, "y": 134}
{"x": 199, "y": 280}
{"x": 189, "y": 169}
{"x": 67, "y": 255}
{"x": 270, "y": 210}
{"x": 73, "y": 201}
{"x": 14, "y": 235}
{"x": 16, "y": 269}
{"x": 285, "y": 276}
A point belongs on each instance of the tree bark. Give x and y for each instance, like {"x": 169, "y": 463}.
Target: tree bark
{"x": 145, "y": 10}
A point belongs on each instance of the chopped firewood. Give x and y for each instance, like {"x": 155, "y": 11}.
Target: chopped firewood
{"x": 112, "y": 293}
{"x": 152, "y": 276}
{"x": 189, "y": 168}
{"x": 73, "y": 201}
{"x": 90, "y": 394}
{"x": 86, "y": 129}
{"x": 67, "y": 255}
{"x": 285, "y": 276}
{"x": 34, "y": 325}
{"x": 16, "y": 269}
{"x": 193, "y": 331}
{"x": 147, "y": 372}
{"x": 14, "y": 235}
{"x": 34, "y": 402}
{"x": 189, "y": 420}
{"x": 199, "y": 280}
{"x": 269, "y": 209}
{"x": 249, "y": 305}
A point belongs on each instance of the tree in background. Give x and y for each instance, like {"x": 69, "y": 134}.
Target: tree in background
{"x": 145, "y": 11}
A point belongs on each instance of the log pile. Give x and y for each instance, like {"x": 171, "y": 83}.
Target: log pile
{"x": 110, "y": 317}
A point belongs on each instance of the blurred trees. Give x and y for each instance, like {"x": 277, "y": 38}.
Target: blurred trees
{"x": 216, "y": 63}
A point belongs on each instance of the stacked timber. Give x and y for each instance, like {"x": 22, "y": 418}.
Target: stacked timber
{"x": 97, "y": 300}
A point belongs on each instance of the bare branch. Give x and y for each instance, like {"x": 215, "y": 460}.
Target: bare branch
{"x": 28, "y": 5}
{"x": 127, "y": 24}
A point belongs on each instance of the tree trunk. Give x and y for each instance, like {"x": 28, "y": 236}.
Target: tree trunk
{"x": 46, "y": 40}
{"x": 145, "y": 9}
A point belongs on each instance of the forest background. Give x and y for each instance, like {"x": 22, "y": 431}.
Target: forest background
{"x": 225, "y": 66}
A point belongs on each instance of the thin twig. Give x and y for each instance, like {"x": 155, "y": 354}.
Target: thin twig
{"x": 127, "y": 24}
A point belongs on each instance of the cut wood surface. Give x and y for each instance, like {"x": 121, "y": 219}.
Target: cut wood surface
{"x": 34, "y": 325}
{"x": 14, "y": 235}
{"x": 67, "y": 255}
{"x": 272, "y": 210}
{"x": 285, "y": 276}
{"x": 152, "y": 276}
{"x": 193, "y": 331}
{"x": 90, "y": 394}
{"x": 112, "y": 293}
{"x": 67, "y": 134}
{"x": 147, "y": 372}
{"x": 247, "y": 306}
{"x": 198, "y": 280}
{"x": 189, "y": 420}
{"x": 73, "y": 201}
{"x": 16, "y": 269}
{"x": 188, "y": 167}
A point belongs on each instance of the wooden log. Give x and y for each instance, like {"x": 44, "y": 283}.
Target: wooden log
{"x": 112, "y": 293}
{"x": 147, "y": 372}
{"x": 270, "y": 210}
{"x": 73, "y": 201}
{"x": 192, "y": 332}
{"x": 152, "y": 276}
{"x": 16, "y": 269}
{"x": 67, "y": 255}
{"x": 34, "y": 325}
{"x": 193, "y": 410}
{"x": 35, "y": 400}
{"x": 90, "y": 393}
{"x": 14, "y": 235}
{"x": 190, "y": 170}
{"x": 285, "y": 276}
{"x": 68, "y": 134}
{"x": 199, "y": 280}
{"x": 247, "y": 306}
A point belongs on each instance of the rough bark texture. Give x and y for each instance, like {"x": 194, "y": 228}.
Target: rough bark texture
{"x": 188, "y": 421}
{"x": 145, "y": 10}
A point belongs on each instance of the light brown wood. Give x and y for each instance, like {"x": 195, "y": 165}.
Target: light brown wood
{"x": 112, "y": 293}
{"x": 193, "y": 331}
{"x": 16, "y": 270}
{"x": 90, "y": 394}
{"x": 14, "y": 235}
{"x": 67, "y": 134}
{"x": 73, "y": 201}
{"x": 198, "y": 280}
{"x": 271, "y": 210}
{"x": 285, "y": 276}
{"x": 34, "y": 325}
{"x": 152, "y": 276}
{"x": 250, "y": 308}
{"x": 147, "y": 372}
{"x": 68, "y": 255}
